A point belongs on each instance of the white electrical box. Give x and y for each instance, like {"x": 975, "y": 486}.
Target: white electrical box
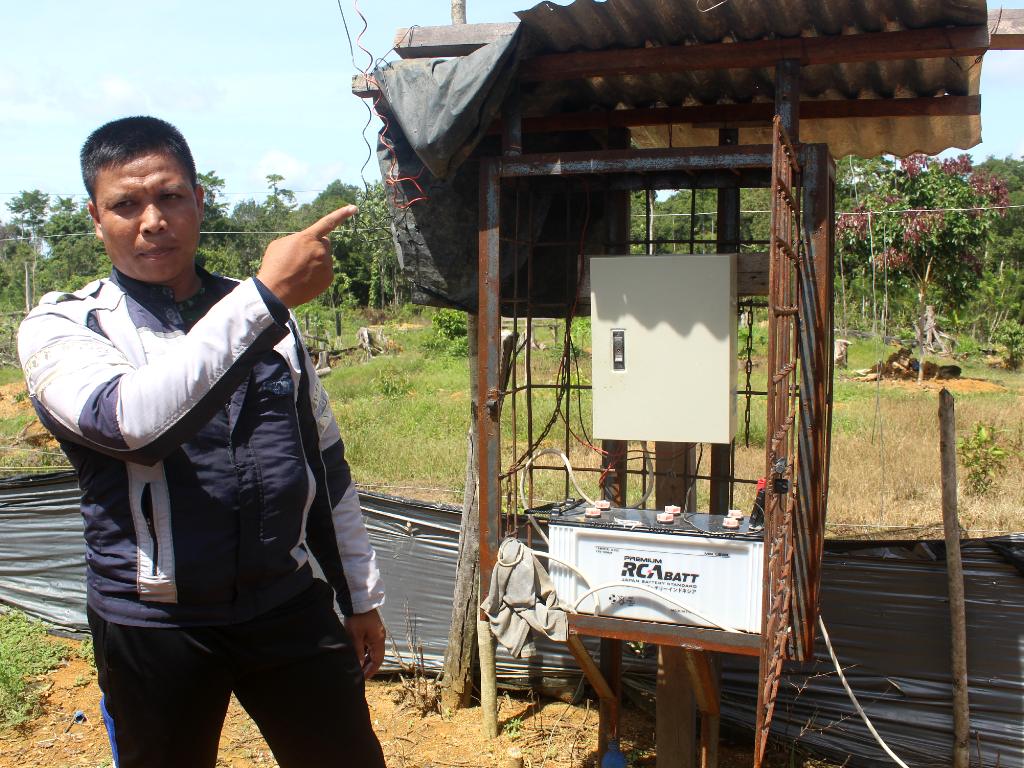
{"x": 664, "y": 347}
{"x": 692, "y": 564}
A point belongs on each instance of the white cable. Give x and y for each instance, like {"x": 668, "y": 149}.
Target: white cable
{"x": 552, "y": 558}
{"x": 658, "y": 595}
{"x": 572, "y": 477}
{"x": 849, "y": 692}
{"x": 568, "y": 468}
{"x": 538, "y": 529}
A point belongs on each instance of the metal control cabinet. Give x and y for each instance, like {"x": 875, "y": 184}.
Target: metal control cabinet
{"x": 664, "y": 347}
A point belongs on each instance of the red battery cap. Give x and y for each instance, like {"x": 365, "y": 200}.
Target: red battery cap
{"x": 603, "y": 504}
{"x": 592, "y": 512}
{"x": 731, "y": 522}
{"x": 666, "y": 517}
{"x": 738, "y": 514}
{"x": 673, "y": 509}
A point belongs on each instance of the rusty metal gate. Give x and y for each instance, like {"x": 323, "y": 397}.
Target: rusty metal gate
{"x": 785, "y": 253}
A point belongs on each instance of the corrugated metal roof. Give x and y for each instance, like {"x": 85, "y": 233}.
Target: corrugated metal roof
{"x": 588, "y": 25}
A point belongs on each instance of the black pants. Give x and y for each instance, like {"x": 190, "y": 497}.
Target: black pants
{"x": 166, "y": 691}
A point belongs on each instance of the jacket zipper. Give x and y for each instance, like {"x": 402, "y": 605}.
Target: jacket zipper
{"x": 147, "y": 515}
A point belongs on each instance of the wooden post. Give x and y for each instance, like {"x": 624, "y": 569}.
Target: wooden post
{"x": 488, "y": 679}
{"x": 675, "y": 716}
{"x": 458, "y": 11}
{"x": 457, "y": 674}
{"x": 955, "y": 575}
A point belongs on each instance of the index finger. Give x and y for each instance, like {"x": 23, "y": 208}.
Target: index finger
{"x": 331, "y": 221}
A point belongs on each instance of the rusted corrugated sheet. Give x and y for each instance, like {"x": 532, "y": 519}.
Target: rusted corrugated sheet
{"x": 586, "y": 25}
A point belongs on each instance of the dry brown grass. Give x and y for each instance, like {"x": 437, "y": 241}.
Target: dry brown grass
{"x": 885, "y": 463}
{"x": 884, "y": 479}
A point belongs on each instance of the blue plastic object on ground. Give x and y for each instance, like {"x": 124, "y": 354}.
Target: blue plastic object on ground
{"x": 613, "y": 757}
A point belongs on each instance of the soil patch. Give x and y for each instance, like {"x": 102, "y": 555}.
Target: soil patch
{"x": 549, "y": 734}
{"x": 13, "y": 400}
{"x": 956, "y": 386}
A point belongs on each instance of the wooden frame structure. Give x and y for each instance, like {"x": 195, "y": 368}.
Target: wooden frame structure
{"x": 796, "y": 276}
{"x": 807, "y": 298}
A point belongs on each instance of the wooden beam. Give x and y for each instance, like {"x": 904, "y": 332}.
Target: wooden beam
{"x": 696, "y": 638}
{"x": 760, "y": 113}
{"x": 704, "y": 678}
{"x": 705, "y": 673}
{"x": 590, "y": 669}
{"x": 752, "y": 274}
{"x": 364, "y": 87}
{"x": 637, "y": 160}
{"x": 446, "y": 41}
{"x": 831, "y": 49}
{"x": 1006, "y": 27}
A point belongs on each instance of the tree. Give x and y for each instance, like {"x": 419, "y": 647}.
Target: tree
{"x": 75, "y": 256}
{"x": 926, "y": 221}
{"x": 30, "y": 211}
{"x": 1001, "y": 294}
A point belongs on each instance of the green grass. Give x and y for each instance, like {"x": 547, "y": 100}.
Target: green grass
{"x": 9, "y": 375}
{"x": 404, "y": 417}
{"x": 26, "y": 653}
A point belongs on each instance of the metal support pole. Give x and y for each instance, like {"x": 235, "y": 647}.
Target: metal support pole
{"x": 487, "y": 419}
{"x": 727, "y": 228}
{"x": 611, "y": 650}
{"x": 787, "y": 96}
{"x": 815, "y": 352}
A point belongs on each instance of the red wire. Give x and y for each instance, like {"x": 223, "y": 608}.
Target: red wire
{"x": 391, "y": 179}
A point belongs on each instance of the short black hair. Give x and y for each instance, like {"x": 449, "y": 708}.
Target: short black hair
{"x": 121, "y": 141}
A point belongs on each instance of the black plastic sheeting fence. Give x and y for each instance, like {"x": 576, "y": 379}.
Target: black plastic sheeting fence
{"x": 885, "y": 607}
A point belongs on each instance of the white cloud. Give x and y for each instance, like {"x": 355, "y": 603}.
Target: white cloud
{"x": 116, "y": 95}
{"x": 275, "y": 161}
{"x": 1002, "y": 68}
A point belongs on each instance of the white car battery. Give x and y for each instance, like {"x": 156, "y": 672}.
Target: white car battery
{"x": 692, "y": 570}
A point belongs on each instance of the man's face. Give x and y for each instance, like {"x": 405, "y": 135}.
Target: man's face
{"x": 147, "y": 214}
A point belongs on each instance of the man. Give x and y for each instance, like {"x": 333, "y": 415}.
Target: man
{"x": 211, "y": 468}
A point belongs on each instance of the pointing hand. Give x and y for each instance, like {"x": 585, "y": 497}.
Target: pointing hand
{"x": 297, "y": 268}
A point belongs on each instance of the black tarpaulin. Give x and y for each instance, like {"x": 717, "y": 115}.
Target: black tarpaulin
{"x": 885, "y": 605}
{"x": 445, "y": 106}
{"x": 437, "y": 116}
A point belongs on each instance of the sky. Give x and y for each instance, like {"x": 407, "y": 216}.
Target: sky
{"x": 257, "y": 87}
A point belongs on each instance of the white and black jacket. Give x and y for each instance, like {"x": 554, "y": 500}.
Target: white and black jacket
{"x": 209, "y": 460}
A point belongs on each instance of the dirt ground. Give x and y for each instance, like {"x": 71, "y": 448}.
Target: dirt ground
{"x": 549, "y": 734}
{"x": 956, "y": 386}
{"x": 13, "y": 400}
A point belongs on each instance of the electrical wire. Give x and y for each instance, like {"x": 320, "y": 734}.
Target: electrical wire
{"x": 853, "y": 697}
{"x": 568, "y": 468}
{"x": 572, "y": 476}
{"x": 622, "y": 584}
